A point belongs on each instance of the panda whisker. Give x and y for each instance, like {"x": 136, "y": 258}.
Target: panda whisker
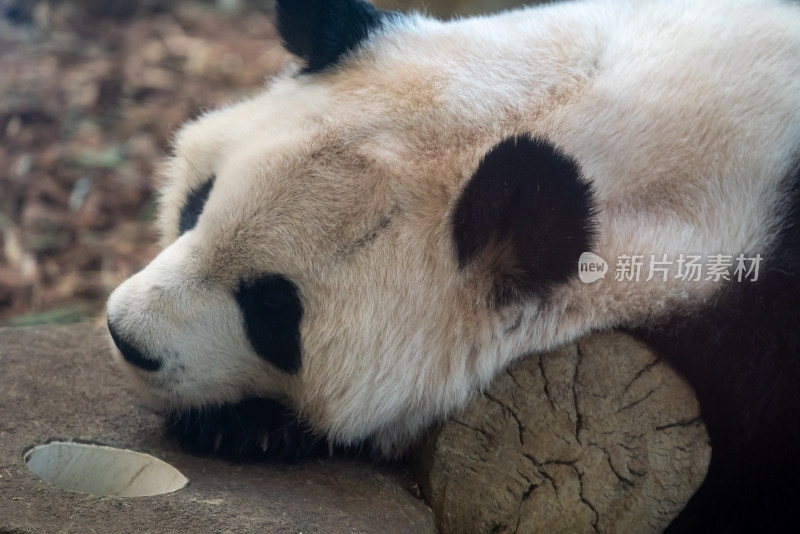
{"x": 198, "y": 174}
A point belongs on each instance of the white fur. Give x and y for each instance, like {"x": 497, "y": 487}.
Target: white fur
{"x": 685, "y": 115}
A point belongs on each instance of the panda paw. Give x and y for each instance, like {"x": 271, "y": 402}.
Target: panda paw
{"x": 250, "y": 430}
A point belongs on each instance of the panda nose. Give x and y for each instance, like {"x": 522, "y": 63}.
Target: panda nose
{"x": 131, "y": 354}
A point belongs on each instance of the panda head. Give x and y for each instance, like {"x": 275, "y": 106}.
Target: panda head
{"x": 347, "y": 254}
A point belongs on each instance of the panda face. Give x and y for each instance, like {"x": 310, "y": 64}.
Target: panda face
{"x": 311, "y": 258}
{"x": 367, "y": 242}
{"x": 287, "y": 247}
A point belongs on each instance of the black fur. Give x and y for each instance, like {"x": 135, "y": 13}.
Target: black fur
{"x": 742, "y": 355}
{"x": 131, "y": 354}
{"x": 322, "y": 31}
{"x": 193, "y": 206}
{"x": 529, "y": 208}
{"x": 253, "y": 429}
{"x": 272, "y": 312}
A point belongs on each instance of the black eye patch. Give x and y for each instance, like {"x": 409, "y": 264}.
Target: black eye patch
{"x": 193, "y": 206}
{"x": 272, "y": 312}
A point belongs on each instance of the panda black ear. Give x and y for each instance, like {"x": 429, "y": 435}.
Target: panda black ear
{"x": 524, "y": 217}
{"x": 321, "y": 31}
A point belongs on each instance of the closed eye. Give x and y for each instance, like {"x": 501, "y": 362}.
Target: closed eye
{"x": 368, "y": 237}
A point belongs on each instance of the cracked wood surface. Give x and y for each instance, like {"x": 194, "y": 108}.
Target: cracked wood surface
{"x": 599, "y": 436}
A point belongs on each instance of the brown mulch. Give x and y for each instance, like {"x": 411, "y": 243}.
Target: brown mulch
{"x": 88, "y": 102}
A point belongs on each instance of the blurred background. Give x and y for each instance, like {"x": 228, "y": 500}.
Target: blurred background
{"x": 90, "y": 92}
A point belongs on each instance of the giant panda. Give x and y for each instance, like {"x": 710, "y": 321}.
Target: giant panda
{"x": 353, "y": 253}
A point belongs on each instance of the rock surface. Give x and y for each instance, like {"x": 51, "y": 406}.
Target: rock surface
{"x": 599, "y": 436}
{"x": 59, "y": 383}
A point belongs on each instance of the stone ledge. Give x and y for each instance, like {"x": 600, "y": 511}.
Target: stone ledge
{"x": 60, "y": 383}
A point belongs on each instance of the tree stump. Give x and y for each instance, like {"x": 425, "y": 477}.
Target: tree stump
{"x": 598, "y": 436}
